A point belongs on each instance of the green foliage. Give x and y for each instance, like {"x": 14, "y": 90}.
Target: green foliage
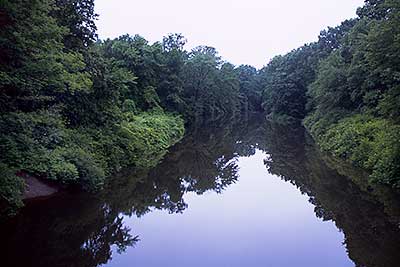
{"x": 346, "y": 88}
{"x": 11, "y": 189}
{"x": 35, "y": 70}
{"x": 75, "y": 110}
{"x": 373, "y": 9}
{"x": 213, "y": 89}
{"x": 286, "y": 78}
{"x": 41, "y": 145}
{"x": 67, "y": 102}
{"x": 362, "y": 77}
{"x": 78, "y": 17}
{"x": 250, "y": 87}
{"x": 151, "y": 98}
{"x": 146, "y": 137}
{"x": 285, "y": 84}
{"x": 330, "y": 90}
{"x": 367, "y": 142}
{"x": 318, "y": 122}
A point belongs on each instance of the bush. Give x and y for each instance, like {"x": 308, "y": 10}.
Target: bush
{"x": 317, "y": 123}
{"x": 147, "y": 137}
{"x": 368, "y": 142}
{"x": 40, "y": 144}
{"x": 11, "y": 189}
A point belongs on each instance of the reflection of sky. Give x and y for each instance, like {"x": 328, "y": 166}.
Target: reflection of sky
{"x": 259, "y": 221}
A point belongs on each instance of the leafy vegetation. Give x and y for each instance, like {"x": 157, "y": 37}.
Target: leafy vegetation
{"x": 346, "y": 88}
{"x": 75, "y": 109}
{"x": 92, "y": 228}
{"x": 367, "y": 214}
{"x": 368, "y": 142}
{"x": 286, "y": 78}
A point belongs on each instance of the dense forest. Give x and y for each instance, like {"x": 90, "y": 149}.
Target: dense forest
{"x": 345, "y": 87}
{"x": 76, "y": 109}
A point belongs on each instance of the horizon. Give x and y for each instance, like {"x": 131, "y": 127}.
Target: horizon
{"x": 249, "y": 41}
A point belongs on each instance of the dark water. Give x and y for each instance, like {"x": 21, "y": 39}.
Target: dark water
{"x": 245, "y": 193}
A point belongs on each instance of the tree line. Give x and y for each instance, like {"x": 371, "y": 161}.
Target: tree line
{"x": 75, "y": 109}
{"x": 346, "y": 89}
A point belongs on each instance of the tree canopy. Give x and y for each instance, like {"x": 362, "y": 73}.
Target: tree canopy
{"x": 76, "y": 109}
{"x": 346, "y": 88}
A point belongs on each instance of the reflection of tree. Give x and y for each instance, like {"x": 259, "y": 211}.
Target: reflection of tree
{"x": 206, "y": 159}
{"x": 369, "y": 224}
{"x": 80, "y": 230}
{"x": 67, "y": 231}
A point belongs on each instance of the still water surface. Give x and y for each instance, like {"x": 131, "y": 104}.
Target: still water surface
{"x": 248, "y": 193}
{"x": 259, "y": 221}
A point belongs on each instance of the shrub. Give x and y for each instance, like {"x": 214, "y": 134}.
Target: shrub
{"x": 368, "y": 142}
{"x": 40, "y": 144}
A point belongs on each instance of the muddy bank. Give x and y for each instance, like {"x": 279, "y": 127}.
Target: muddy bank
{"x": 36, "y": 188}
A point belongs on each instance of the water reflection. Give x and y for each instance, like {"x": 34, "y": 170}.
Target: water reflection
{"x": 81, "y": 230}
{"x": 367, "y": 214}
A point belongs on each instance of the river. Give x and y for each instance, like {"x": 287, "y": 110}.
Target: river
{"x": 232, "y": 193}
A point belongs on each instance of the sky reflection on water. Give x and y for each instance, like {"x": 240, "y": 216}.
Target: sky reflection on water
{"x": 282, "y": 203}
{"x": 259, "y": 221}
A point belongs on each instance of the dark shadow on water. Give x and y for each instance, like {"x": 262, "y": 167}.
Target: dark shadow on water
{"x": 75, "y": 229}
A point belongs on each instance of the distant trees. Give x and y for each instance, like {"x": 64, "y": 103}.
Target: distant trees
{"x": 285, "y": 79}
{"x": 75, "y": 109}
{"x": 206, "y": 79}
{"x": 250, "y": 87}
{"x": 352, "y": 69}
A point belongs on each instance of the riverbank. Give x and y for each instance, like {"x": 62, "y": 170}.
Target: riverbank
{"x": 344, "y": 87}
{"x": 249, "y": 171}
{"x": 85, "y": 157}
{"x": 365, "y": 141}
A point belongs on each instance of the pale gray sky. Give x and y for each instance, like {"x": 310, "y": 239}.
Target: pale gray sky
{"x": 244, "y": 32}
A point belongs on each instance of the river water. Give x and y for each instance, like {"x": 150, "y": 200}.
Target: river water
{"x": 233, "y": 193}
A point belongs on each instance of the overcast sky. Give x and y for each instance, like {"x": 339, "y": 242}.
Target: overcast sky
{"x": 243, "y": 31}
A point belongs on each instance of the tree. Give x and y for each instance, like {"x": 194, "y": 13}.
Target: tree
{"x": 78, "y": 17}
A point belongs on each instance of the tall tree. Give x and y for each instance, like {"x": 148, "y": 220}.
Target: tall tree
{"x": 78, "y": 16}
